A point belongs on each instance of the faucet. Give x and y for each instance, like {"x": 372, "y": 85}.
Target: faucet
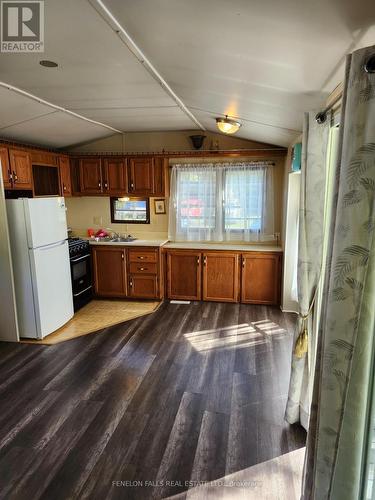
{"x": 116, "y": 234}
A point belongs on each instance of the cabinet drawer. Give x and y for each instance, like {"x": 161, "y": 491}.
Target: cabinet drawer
{"x": 143, "y": 268}
{"x": 143, "y": 255}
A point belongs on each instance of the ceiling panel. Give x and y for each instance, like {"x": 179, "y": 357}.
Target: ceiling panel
{"x": 263, "y": 61}
{"x": 16, "y": 108}
{"x": 141, "y": 119}
{"x": 57, "y": 129}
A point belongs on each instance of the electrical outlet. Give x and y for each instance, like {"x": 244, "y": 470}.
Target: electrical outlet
{"x": 98, "y": 220}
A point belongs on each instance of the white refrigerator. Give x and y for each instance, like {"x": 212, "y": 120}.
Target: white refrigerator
{"x": 41, "y": 267}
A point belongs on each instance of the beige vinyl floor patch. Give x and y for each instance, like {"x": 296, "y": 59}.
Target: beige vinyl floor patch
{"x": 96, "y": 315}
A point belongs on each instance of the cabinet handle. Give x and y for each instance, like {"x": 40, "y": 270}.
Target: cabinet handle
{"x": 132, "y": 185}
{"x": 131, "y": 283}
{"x": 15, "y": 176}
{"x": 122, "y": 256}
{"x": 140, "y": 258}
{"x": 142, "y": 268}
{"x": 64, "y": 187}
{"x": 198, "y": 261}
{"x": 243, "y": 262}
{"x": 106, "y": 185}
{"x": 204, "y": 261}
{"x": 99, "y": 184}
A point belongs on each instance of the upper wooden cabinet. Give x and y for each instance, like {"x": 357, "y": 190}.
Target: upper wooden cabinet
{"x": 65, "y": 180}
{"x": 221, "y": 276}
{"x": 109, "y": 271}
{"x": 260, "y": 282}
{"x": 141, "y": 176}
{"x": 40, "y": 157}
{"x": 184, "y": 274}
{"x": 20, "y": 165}
{"x": 5, "y": 168}
{"x": 114, "y": 174}
{"x": 90, "y": 171}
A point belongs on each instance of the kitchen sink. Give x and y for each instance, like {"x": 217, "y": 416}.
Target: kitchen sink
{"x": 121, "y": 239}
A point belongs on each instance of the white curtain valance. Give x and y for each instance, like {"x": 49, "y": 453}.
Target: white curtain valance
{"x": 222, "y": 202}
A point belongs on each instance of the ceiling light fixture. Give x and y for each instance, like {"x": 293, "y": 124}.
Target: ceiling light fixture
{"x": 227, "y": 126}
{"x": 48, "y": 64}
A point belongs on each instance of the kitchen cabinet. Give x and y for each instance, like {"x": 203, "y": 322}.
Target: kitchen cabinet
{"x": 109, "y": 267}
{"x": 143, "y": 286}
{"x": 127, "y": 272}
{"x": 141, "y": 176}
{"x": 115, "y": 179}
{"x": 217, "y": 276}
{"x": 260, "y": 281}
{"x": 221, "y": 276}
{"x": 184, "y": 274}
{"x": 40, "y": 157}
{"x": 20, "y": 165}
{"x": 5, "y": 168}
{"x": 161, "y": 177}
{"x": 90, "y": 170}
{"x": 65, "y": 180}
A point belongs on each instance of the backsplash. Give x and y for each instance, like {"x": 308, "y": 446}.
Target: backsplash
{"x": 94, "y": 212}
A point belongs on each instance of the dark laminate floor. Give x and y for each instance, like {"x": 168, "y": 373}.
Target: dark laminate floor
{"x": 189, "y": 392}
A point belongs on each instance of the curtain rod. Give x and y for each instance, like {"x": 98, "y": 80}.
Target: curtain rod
{"x": 321, "y": 117}
{"x": 234, "y": 163}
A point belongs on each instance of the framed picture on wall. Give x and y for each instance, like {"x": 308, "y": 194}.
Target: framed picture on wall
{"x": 160, "y": 206}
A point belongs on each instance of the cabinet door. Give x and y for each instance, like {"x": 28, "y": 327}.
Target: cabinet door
{"x": 5, "y": 168}
{"x": 184, "y": 275}
{"x": 143, "y": 286}
{"x": 109, "y": 271}
{"x": 20, "y": 164}
{"x": 221, "y": 276}
{"x": 260, "y": 283}
{"x": 161, "y": 177}
{"x": 115, "y": 176}
{"x": 90, "y": 176}
{"x": 141, "y": 176}
{"x": 65, "y": 181}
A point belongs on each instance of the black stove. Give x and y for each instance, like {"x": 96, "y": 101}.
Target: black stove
{"x": 80, "y": 267}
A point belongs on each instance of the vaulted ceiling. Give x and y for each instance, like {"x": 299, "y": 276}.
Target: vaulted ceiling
{"x": 151, "y": 65}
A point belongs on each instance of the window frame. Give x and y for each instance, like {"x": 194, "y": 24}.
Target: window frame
{"x": 113, "y": 199}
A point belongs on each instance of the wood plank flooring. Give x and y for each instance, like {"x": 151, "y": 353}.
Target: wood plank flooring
{"x": 189, "y": 393}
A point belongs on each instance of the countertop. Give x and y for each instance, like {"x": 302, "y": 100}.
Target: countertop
{"x": 135, "y": 243}
{"x": 244, "y": 247}
{"x": 189, "y": 245}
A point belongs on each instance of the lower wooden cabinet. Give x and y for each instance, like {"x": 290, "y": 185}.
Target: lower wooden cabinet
{"x": 260, "y": 280}
{"x": 184, "y": 274}
{"x": 143, "y": 286}
{"x": 124, "y": 272}
{"x": 109, "y": 267}
{"x": 221, "y": 276}
{"x": 217, "y": 276}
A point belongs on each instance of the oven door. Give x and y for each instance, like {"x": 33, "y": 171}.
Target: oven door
{"x": 81, "y": 274}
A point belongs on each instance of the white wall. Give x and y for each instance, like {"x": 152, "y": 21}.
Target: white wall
{"x": 289, "y": 302}
{"x": 8, "y": 315}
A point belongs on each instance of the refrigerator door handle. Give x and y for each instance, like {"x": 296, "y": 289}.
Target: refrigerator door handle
{"x": 53, "y": 245}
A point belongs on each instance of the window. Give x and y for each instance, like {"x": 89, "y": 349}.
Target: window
{"x": 216, "y": 202}
{"x": 130, "y": 210}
